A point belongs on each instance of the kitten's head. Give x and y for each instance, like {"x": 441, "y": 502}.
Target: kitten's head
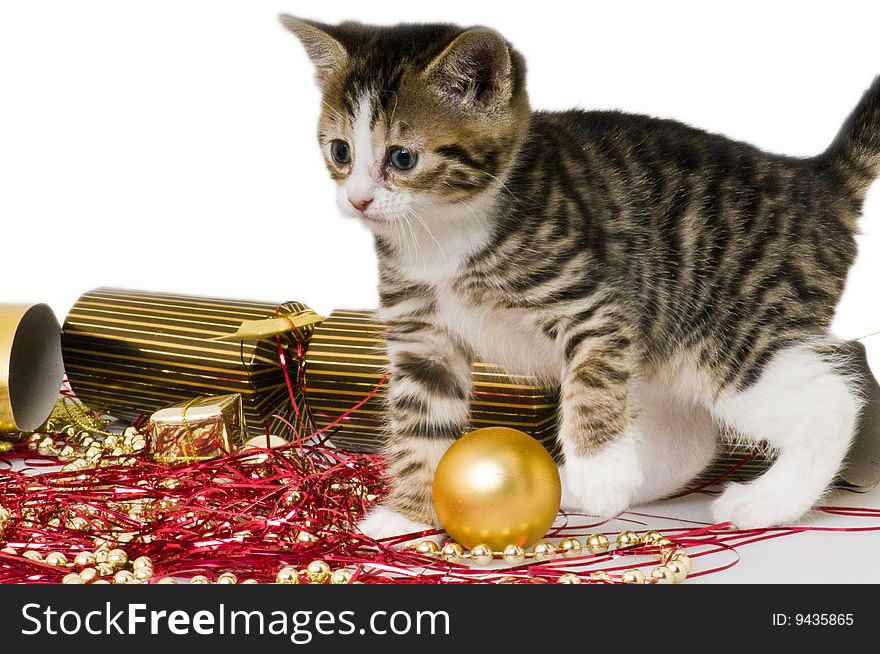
{"x": 416, "y": 119}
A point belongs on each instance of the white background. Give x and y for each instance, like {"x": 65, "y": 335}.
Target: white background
{"x": 171, "y": 145}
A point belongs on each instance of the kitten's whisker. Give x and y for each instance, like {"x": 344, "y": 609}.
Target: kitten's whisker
{"x": 428, "y": 229}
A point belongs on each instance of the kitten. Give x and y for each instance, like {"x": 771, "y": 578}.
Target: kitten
{"x": 672, "y": 283}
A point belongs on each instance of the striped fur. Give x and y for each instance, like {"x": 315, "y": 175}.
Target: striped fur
{"x": 599, "y": 250}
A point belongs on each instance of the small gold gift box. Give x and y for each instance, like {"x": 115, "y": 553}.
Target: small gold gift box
{"x": 200, "y": 429}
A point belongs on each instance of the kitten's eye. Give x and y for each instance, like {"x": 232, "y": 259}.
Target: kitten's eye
{"x": 340, "y": 152}
{"x": 401, "y": 158}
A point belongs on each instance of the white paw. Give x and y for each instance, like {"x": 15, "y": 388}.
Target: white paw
{"x": 383, "y": 523}
{"x": 749, "y": 506}
{"x": 602, "y": 485}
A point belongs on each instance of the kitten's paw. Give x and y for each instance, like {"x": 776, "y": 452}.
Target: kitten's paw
{"x": 382, "y": 522}
{"x": 602, "y": 485}
{"x": 751, "y": 507}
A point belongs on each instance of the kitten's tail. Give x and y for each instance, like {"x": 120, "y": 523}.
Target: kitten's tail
{"x": 854, "y": 156}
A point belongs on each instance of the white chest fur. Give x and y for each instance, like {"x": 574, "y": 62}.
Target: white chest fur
{"x": 511, "y": 338}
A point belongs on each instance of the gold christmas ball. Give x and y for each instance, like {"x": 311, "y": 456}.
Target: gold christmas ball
{"x": 452, "y": 552}
{"x": 117, "y": 558}
{"x": 481, "y": 554}
{"x": 496, "y": 486}
{"x": 341, "y": 576}
{"x": 123, "y": 577}
{"x": 287, "y": 575}
{"x": 142, "y": 562}
{"x": 633, "y": 577}
{"x": 318, "y": 572}
{"x": 88, "y": 575}
{"x": 513, "y": 555}
{"x": 678, "y": 569}
{"x": 662, "y": 575}
{"x": 651, "y": 537}
{"x": 72, "y": 578}
{"x": 55, "y": 558}
{"x": 568, "y": 578}
{"x": 570, "y": 547}
{"x": 628, "y": 539}
{"x": 227, "y": 578}
{"x": 198, "y": 579}
{"x": 544, "y": 551}
{"x": 600, "y": 576}
{"x": 427, "y": 547}
{"x": 597, "y": 544}
{"x": 143, "y": 574}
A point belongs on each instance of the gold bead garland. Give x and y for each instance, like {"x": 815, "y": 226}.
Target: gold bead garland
{"x": 112, "y": 565}
{"x": 674, "y": 569}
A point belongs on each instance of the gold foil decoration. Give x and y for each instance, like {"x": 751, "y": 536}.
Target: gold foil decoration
{"x": 198, "y": 430}
{"x": 31, "y": 367}
{"x": 255, "y": 330}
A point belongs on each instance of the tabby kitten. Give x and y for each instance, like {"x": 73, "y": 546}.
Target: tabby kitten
{"x": 673, "y": 284}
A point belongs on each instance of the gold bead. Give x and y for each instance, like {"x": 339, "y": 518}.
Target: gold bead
{"x": 452, "y": 552}
{"x": 287, "y": 575}
{"x": 651, "y": 537}
{"x": 633, "y": 577}
{"x": 600, "y": 576}
{"x": 123, "y": 577}
{"x": 117, "y": 558}
{"x": 662, "y": 575}
{"x": 597, "y": 544}
{"x": 427, "y": 547}
{"x": 627, "y": 539}
{"x": 55, "y": 558}
{"x": 682, "y": 558}
{"x": 568, "y": 578}
{"x": 678, "y": 569}
{"x": 293, "y": 497}
{"x": 101, "y": 581}
{"x": 88, "y": 575}
{"x": 543, "y": 551}
{"x": 570, "y": 547}
{"x": 142, "y": 562}
{"x": 227, "y": 578}
{"x": 167, "y": 580}
{"x": 143, "y": 574}
{"x": 199, "y": 579}
{"x": 33, "y": 555}
{"x": 105, "y": 569}
{"x": 513, "y": 555}
{"x": 93, "y": 453}
{"x": 72, "y": 578}
{"x": 663, "y": 542}
{"x": 9, "y": 550}
{"x": 5, "y": 446}
{"x": 506, "y": 580}
{"x": 248, "y": 582}
{"x": 67, "y": 453}
{"x": 343, "y": 575}
{"x": 318, "y": 572}
{"x": 481, "y": 554}
{"x": 306, "y": 537}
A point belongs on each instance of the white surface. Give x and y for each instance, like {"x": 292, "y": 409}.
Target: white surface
{"x": 181, "y": 137}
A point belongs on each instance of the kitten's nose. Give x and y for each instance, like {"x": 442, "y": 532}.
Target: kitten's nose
{"x": 359, "y": 203}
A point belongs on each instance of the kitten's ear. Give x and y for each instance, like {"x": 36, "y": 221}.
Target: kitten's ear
{"x": 474, "y": 71}
{"x": 326, "y": 52}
